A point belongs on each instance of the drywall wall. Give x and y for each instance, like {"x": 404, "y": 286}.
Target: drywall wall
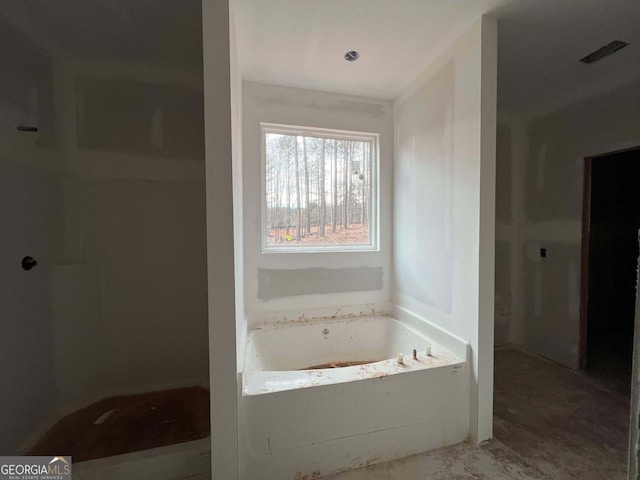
{"x": 160, "y": 141}
{"x": 547, "y": 160}
{"x": 31, "y": 217}
{"x": 235, "y": 91}
{"x": 146, "y": 242}
{"x": 274, "y": 283}
{"x": 238, "y": 226}
{"x": 129, "y": 228}
{"x": 219, "y": 153}
{"x": 26, "y": 89}
{"x": 111, "y": 112}
{"x": 444, "y": 203}
{"x": 291, "y": 106}
{"x": 504, "y": 236}
{"x": 511, "y": 145}
{"x": 134, "y": 257}
{"x": 109, "y": 197}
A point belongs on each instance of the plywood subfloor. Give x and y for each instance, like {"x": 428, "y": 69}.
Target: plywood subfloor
{"x": 139, "y": 422}
{"x": 550, "y": 423}
{"x": 567, "y": 423}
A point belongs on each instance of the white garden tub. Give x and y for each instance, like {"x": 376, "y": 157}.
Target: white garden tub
{"x": 301, "y": 421}
{"x": 288, "y": 357}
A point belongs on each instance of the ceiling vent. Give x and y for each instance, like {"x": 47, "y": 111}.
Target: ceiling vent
{"x": 605, "y": 51}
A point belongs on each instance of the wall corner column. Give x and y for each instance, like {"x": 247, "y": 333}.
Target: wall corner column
{"x": 489, "y": 68}
{"x": 220, "y": 239}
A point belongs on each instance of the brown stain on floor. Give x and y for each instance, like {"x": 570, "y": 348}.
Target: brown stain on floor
{"x": 140, "y": 422}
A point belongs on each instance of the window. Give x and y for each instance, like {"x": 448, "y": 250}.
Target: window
{"x": 319, "y": 190}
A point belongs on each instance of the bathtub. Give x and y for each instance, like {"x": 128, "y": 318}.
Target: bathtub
{"x": 298, "y": 418}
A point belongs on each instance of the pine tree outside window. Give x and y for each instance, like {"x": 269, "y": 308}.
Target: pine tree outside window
{"x": 319, "y": 190}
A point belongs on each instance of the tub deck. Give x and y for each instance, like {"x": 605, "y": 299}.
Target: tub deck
{"x": 261, "y": 382}
{"x": 304, "y": 423}
{"x": 278, "y": 357}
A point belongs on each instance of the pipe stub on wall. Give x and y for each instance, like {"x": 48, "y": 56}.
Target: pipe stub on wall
{"x": 28, "y": 263}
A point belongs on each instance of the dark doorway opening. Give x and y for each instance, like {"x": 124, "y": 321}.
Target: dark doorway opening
{"x": 610, "y": 254}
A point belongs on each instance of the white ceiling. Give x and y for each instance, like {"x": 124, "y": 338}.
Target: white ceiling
{"x": 301, "y": 43}
{"x": 540, "y": 43}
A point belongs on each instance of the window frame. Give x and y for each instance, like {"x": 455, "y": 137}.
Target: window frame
{"x": 374, "y": 188}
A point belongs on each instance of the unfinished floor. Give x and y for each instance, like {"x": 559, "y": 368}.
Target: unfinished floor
{"x": 550, "y": 423}
{"x": 125, "y": 424}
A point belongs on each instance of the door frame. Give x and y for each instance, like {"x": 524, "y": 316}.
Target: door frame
{"x": 584, "y": 261}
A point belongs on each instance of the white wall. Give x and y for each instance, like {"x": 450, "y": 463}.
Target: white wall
{"x": 134, "y": 259}
{"x": 506, "y": 206}
{"x": 238, "y": 201}
{"x": 220, "y": 98}
{"x": 291, "y": 106}
{"x": 118, "y": 301}
{"x": 236, "y": 95}
{"x": 145, "y": 244}
{"x": 546, "y": 156}
{"x": 444, "y": 174}
{"x": 31, "y": 213}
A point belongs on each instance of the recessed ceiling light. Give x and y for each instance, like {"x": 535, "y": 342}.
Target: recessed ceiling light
{"x": 351, "y": 56}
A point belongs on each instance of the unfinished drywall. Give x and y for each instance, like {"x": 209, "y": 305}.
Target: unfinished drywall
{"x": 547, "y": 159}
{"x": 31, "y": 212}
{"x": 503, "y": 300}
{"x": 160, "y": 139}
{"x": 109, "y": 197}
{"x": 127, "y": 115}
{"x": 118, "y": 232}
{"x": 279, "y": 283}
{"x": 511, "y": 144}
{"x": 221, "y": 101}
{"x": 444, "y": 204}
{"x": 31, "y": 215}
{"x": 425, "y": 184}
{"x": 504, "y": 236}
{"x": 238, "y": 202}
{"x": 290, "y": 106}
{"x": 146, "y": 242}
{"x": 26, "y": 87}
{"x": 134, "y": 231}
{"x": 235, "y": 92}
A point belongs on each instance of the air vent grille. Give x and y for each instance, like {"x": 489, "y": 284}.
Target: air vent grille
{"x": 604, "y": 52}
